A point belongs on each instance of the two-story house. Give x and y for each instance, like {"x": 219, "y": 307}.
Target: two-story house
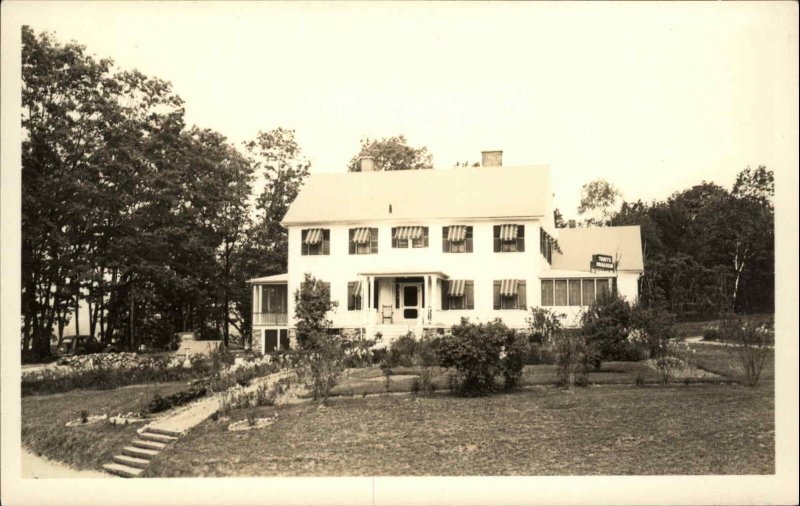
{"x": 420, "y": 249}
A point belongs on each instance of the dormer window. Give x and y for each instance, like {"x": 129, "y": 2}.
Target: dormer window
{"x": 316, "y": 241}
{"x": 363, "y": 241}
{"x": 409, "y": 237}
{"x": 509, "y": 238}
{"x": 457, "y": 239}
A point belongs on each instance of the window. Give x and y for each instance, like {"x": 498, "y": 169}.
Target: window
{"x": 509, "y": 238}
{"x": 316, "y": 241}
{"x": 354, "y": 296}
{"x": 546, "y": 245}
{"x": 457, "y": 239}
{"x": 573, "y": 292}
{"x": 510, "y": 294}
{"x": 273, "y": 299}
{"x": 547, "y": 292}
{"x": 363, "y": 241}
{"x": 458, "y": 294}
{"x": 413, "y": 237}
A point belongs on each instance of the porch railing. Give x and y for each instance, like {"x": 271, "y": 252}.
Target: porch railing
{"x": 275, "y": 319}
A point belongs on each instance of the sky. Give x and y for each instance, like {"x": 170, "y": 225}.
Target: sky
{"x": 652, "y": 97}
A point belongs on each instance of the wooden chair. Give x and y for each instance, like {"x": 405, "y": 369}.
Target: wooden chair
{"x": 386, "y": 313}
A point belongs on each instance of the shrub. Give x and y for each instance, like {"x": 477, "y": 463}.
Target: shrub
{"x": 402, "y": 350}
{"x": 321, "y": 364}
{"x": 312, "y": 304}
{"x": 751, "y": 345}
{"x": 474, "y": 351}
{"x": 359, "y": 351}
{"x": 606, "y": 325}
{"x": 571, "y": 359}
{"x": 158, "y": 403}
{"x": 544, "y": 324}
{"x": 653, "y": 329}
{"x": 512, "y": 359}
{"x": 711, "y": 335}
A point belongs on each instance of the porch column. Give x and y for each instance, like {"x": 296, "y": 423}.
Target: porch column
{"x": 427, "y": 297}
{"x": 364, "y": 299}
{"x": 256, "y": 301}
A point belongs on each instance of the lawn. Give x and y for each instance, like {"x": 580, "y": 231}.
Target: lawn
{"x": 84, "y": 447}
{"x": 611, "y": 429}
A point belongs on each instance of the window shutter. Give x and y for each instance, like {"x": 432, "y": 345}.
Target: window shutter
{"x": 468, "y": 240}
{"x": 373, "y": 240}
{"x": 497, "y": 295}
{"x": 351, "y": 301}
{"x": 352, "y": 245}
{"x": 375, "y": 293}
{"x": 522, "y": 295}
{"x": 326, "y": 242}
{"x": 445, "y": 242}
{"x": 445, "y": 298}
{"x": 497, "y": 240}
{"x": 520, "y": 238}
{"x": 469, "y": 293}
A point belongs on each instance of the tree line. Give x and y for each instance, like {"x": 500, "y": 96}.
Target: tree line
{"x": 707, "y": 249}
{"x": 146, "y": 221}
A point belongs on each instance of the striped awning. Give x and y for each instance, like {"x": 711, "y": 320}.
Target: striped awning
{"x": 357, "y": 289}
{"x": 508, "y": 287}
{"x": 361, "y": 236}
{"x": 457, "y": 233}
{"x": 313, "y": 236}
{"x": 455, "y": 287}
{"x": 408, "y": 233}
{"x": 508, "y": 232}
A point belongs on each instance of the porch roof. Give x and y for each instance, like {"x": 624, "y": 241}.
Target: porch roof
{"x": 275, "y": 279}
{"x": 406, "y": 274}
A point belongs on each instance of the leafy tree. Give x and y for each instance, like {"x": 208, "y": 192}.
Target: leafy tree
{"x": 312, "y": 304}
{"x": 598, "y": 202}
{"x": 558, "y": 218}
{"x": 392, "y": 153}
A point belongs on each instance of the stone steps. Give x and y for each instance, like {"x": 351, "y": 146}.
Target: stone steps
{"x": 122, "y": 470}
{"x": 135, "y": 458}
{"x": 142, "y": 453}
{"x": 149, "y": 445}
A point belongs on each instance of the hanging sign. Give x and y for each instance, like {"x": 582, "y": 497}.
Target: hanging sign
{"x": 602, "y": 263}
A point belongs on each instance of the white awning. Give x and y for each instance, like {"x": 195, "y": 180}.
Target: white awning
{"x": 313, "y": 236}
{"x": 457, "y": 233}
{"x": 408, "y": 233}
{"x": 357, "y": 289}
{"x": 508, "y": 232}
{"x": 455, "y": 287}
{"x": 508, "y": 287}
{"x": 361, "y": 236}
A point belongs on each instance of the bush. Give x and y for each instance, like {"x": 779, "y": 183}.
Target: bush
{"x": 474, "y": 351}
{"x": 751, "y": 345}
{"x": 544, "y": 324}
{"x": 711, "y": 335}
{"x": 359, "y": 351}
{"x": 653, "y": 330}
{"x": 402, "y": 350}
{"x": 513, "y": 358}
{"x": 321, "y": 364}
{"x": 312, "y": 304}
{"x": 540, "y": 354}
{"x": 571, "y": 359}
{"x": 158, "y": 404}
{"x": 606, "y": 325}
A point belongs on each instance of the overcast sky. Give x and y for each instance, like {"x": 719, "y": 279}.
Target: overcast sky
{"x": 652, "y": 97}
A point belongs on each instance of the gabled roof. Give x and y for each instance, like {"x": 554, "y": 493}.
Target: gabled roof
{"x": 457, "y": 193}
{"x": 579, "y": 244}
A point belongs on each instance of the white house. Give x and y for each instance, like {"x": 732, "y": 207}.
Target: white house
{"x": 420, "y": 249}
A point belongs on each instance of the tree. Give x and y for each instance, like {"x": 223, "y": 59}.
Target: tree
{"x": 312, "y": 304}
{"x": 392, "y": 153}
{"x": 558, "y": 219}
{"x": 598, "y": 202}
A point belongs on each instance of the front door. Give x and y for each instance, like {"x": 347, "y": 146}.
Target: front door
{"x": 410, "y": 301}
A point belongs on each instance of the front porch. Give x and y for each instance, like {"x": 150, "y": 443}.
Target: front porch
{"x": 394, "y": 303}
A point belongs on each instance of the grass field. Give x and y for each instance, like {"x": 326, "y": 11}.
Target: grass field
{"x": 616, "y": 430}
{"x": 84, "y": 447}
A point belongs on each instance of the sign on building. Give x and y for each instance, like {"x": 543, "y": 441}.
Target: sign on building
{"x": 602, "y": 263}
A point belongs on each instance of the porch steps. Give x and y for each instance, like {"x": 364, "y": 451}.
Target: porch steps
{"x": 135, "y": 458}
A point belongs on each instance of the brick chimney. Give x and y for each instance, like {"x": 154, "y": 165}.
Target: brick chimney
{"x": 366, "y": 164}
{"x": 572, "y": 223}
{"x": 492, "y": 158}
